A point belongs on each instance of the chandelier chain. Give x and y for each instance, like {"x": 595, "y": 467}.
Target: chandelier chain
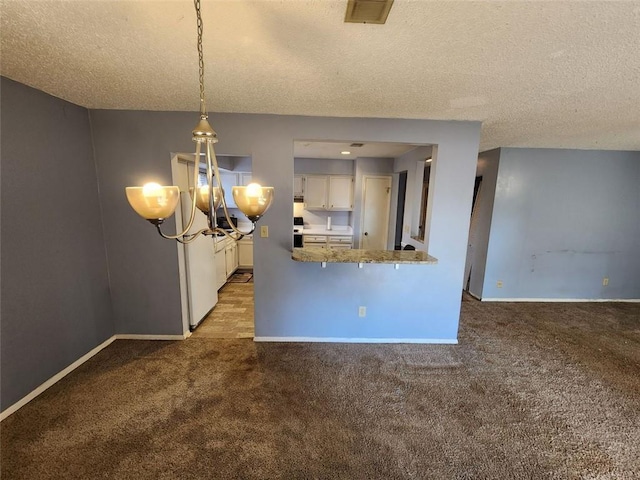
{"x": 203, "y": 110}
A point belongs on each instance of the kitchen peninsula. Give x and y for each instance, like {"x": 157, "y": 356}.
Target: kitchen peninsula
{"x": 335, "y": 255}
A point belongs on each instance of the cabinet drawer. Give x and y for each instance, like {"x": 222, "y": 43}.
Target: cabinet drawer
{"x": 315, "y": 239}
{"x": 340, "y": 240}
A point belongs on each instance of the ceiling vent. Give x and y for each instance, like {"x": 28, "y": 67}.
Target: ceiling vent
{"x": 368, "y": 11}
{"x": 356, "y": 145}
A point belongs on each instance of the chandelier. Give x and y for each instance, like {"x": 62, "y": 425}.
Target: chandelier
{"x": 156, "y": 203}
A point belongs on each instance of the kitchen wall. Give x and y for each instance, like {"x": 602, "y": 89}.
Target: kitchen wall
{"x": 55, "y": 287}
{"x": 562, "y": 220}
{"x": 293, "y": 300}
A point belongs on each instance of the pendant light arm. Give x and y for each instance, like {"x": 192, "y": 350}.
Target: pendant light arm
{"x": 211, "y": 158}
{"x": 185, "y": 239}
{"x": 192, "y": 216}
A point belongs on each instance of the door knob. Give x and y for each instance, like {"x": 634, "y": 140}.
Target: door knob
{"x": 366, "y": 234}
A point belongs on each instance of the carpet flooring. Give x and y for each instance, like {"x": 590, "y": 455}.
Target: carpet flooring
{"x": 532, "y": 391}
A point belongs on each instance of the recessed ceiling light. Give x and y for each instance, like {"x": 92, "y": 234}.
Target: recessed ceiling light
{"x": 345, "y": 153}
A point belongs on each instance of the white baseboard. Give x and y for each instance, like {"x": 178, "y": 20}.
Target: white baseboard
{"x": 60, "y": 375}
{"x": 57, "y": 377}
{"x": 135, "y": 336}
{"x": 448, "y": 341}
{"x": 542, "y": 300}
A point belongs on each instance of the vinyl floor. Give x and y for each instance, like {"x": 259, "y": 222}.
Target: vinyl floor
{"x": 232, "y": 317}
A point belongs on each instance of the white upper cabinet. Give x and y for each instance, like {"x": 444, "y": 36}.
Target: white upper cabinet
{"x": 328, "y": 192}
{"x": 229, "y": 180}
{"x": 245, "y": 178}
{"x": 298, "y": 186}
{"x": 315, "y": 192}
{"x": 340, "y": 192}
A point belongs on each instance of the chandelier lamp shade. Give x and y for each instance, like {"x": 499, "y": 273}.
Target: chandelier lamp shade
{"x": 156, "y": 203}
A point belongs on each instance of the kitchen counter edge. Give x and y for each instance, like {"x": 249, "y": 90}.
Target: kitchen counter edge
{"x": 330, "y": 255}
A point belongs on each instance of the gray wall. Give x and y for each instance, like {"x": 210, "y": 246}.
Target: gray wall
{"x": 323, "y": 166}
{"x": 292, "y": 299}
{"x": 55, "y": 288}
{"x": 481, "y": 222}
{"x": 563, "y": 220}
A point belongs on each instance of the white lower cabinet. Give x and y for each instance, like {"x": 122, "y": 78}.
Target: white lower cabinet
{"x": 226, "y": 260}
{"x": 221, "y": 269}
{"x": 245, "y": 252}
{"x": 231, "y": 258}
{"x": 340, "y": 242}
{"x": 328, "y": 241}
{"x": 314, "y": 241}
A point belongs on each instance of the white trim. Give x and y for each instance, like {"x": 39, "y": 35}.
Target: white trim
{"x": 57, "y": 377}
{"x": 449, "y": 341}
{"x": 541, "y": 300}
{"x": 135, "y": 336}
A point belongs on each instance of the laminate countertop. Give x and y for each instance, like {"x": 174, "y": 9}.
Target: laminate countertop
{"x": 339, "y": 255}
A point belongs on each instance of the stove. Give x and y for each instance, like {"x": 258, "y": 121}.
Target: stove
{"x": 298, "y": 226}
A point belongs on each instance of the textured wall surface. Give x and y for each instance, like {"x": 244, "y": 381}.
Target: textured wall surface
{"x": 562, "y": 221}
{"x": 292, "y": 299}
{"x": 55, "y": 287}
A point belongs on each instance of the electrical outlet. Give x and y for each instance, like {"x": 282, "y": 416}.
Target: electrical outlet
{"x": 264, "y": 231}
{"x": 499, "y": 284}
{"x": 605, "y": 281}
{"x": 362, "y": 311}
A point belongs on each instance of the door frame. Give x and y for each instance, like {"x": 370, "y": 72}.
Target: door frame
{"x": 389, "y": 178}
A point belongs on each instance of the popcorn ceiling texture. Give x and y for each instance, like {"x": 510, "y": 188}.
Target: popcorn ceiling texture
{"x": 538, "y": 74}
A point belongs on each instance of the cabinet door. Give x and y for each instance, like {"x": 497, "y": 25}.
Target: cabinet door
{"x": 298, "y": 186}
{"x": 315, "y": 192}
{"x": 221, "y": 269}
{"x": 245, "y": 254}
{"x": 340, "y": 192}
{"x": 230, "y": 263}
{"x": 236, "y": 260}
{"x": 229, "y": 180}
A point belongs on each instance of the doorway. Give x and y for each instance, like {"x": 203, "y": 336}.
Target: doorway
{"x": 402, "y": 194}
{"x": 474, "y": 230}
{"x": 376, "y": 203}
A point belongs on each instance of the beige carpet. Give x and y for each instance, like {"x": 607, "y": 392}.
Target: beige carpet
{"x": 533, "y": 391}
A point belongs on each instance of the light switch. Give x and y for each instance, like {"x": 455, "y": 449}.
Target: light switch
{"x": 264, "y": 231}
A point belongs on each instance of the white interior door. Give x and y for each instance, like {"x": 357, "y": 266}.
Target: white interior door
{"x": 376, "y": 201}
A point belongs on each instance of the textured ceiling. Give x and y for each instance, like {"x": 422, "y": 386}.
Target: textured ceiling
{"x": 537, "y": 74}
